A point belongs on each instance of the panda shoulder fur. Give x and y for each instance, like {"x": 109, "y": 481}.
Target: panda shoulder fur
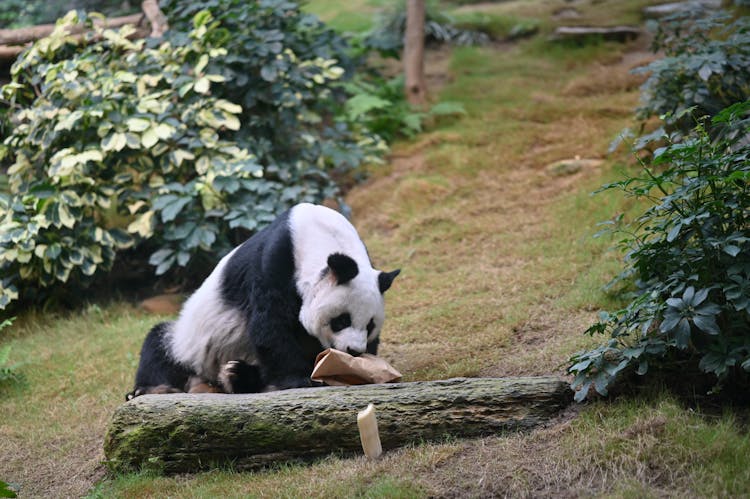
{"x": 302, "y": 284}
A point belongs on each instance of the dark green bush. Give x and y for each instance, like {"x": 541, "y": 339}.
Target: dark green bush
{"x": 382, "y": 107}
{"x": 705, "y": 68}
{"x": 174, "y": 150}
{"x": 688, "y": 257}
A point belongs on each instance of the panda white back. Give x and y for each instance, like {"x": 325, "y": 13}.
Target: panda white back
{"x": 208, "y": 332}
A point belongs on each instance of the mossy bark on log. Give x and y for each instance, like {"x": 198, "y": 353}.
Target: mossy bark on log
{"x": 189, "y": 432}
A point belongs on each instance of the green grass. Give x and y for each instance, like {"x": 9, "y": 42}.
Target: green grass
{"x": 500, "y": 277}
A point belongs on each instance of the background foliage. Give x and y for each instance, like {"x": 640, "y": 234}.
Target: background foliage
{"x": 234, "y": 119}
{"x": 18, "y": 13}
{"x": 387, "y": 36}
{"x": 704, "y": 70}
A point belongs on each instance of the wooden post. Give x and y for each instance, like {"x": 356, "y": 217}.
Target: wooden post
{"x": 416, "y": 87}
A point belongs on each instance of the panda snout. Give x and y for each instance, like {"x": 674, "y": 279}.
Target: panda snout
{"x": 354, "y": 353}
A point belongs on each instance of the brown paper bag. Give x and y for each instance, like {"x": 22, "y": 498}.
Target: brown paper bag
{"x": 337, "y": 368}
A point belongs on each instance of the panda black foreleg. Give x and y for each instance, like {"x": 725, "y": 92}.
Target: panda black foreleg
{"x": 157, "y": 371}
{"x": 237, "y": 376}
{"x": 286, "y": 353}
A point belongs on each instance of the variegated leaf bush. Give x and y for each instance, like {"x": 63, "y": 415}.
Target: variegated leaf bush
{"x": 143, "y": 146}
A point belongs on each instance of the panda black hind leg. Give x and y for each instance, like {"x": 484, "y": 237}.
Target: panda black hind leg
{"x": 157, "y": 371}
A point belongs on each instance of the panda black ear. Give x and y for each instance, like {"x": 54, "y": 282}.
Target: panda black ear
{"x": 385, "y": 279}
{"x": 344, "y": 268}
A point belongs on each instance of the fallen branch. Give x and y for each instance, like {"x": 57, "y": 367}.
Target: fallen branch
{"x": 21, "y": 36}
{"x": 15, "y": 41}
{"x": 611, "y": 33}
{"x": 189, "y": 432}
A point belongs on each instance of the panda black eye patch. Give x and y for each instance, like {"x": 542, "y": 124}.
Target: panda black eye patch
{"x": 340, "y": 322}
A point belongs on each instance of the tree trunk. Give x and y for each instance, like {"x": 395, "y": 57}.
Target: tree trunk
{"x": 416, "y": 88}
{"x": 189, "y": 432}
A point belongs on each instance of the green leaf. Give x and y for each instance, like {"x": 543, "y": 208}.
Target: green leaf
{"x": 149, "y": 138}
{"x": 268, "y": 73}
{"x": 88, "y": 267}
{"x": 164, "y": 266}
{"x": 682, "y": 334}
{"x": 183, "y": 257}
{"x": 202, "y": 85}
{"x": 731, "y": 250}
{"x": 122, "y": 239}
{"x": 413, "y": 122}
{"x": 76, "y": 257}
{"x": 363, "y": 103}
{"x": 160, "y": 255}
{"x": 180, "y": 155}
{"x": 171, "y": 211}
{"x": 66, "y": 218}
{"x": 674, "y": 233}
{"x": 138, "y": 124}
{"x": 227, "y": 106}
{"x": 143, "y": 225}
{"x": 164, "y": 131}
{"x": 642, "y": 367}
{"x": 707, "y": 324}
{"x": 231, "y": 122}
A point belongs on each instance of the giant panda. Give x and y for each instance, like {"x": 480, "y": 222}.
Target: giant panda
{"x": 302, "y": 284}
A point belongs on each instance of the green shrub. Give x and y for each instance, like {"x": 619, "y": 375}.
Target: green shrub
{"x": 282, "y": 66}
{"x": 175, "y": 148}
{"x": 704, "y": 69}
{"x": 382, "y": 107}
{"x": 688, "y": 256}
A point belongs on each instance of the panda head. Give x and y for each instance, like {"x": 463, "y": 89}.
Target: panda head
{"x": 345, "y": 308}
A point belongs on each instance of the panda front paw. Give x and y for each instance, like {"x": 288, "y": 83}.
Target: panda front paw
{"x": 148, "y": 390}
{"x": 237, "y": 376}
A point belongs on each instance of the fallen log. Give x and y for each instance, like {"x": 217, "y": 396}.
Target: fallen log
{"x": 21, "y": 36}
{"x": 189, "y": 432}
{"x": 610, "y": 33}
